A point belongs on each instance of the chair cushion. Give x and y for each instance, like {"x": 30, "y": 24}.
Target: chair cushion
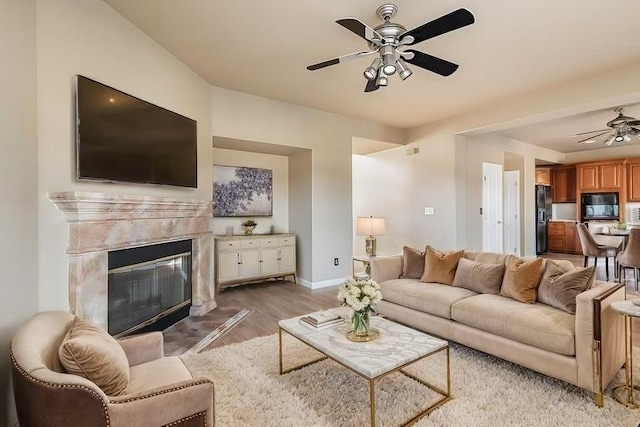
{"x": 560, "y": 286}
{"x": 521, "y": 278}
{"x": 89, "y": 351}
{"x": 413, "y": 263}
{"x": 440, "y": 267}
{"x": 538, "y": 325}
{"x": 432, "y": 298}
{"x": 479, "y": 277}
{"x": 157, "y": 373}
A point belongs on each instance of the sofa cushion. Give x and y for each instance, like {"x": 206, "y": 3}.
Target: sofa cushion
{"x": 538, "y": 325}
{"x": 521, "y": 278}
{"x": 413, "y": 263}
{"x": 479, "y": 277}
{"x": 486, "y": 257}
{"x": 440, "y": 267}
{"x": 90, "y": 352}
{"x": 559, "y": 287}
{"x": 157, "y": 373}
{"x": 432, "y": 298}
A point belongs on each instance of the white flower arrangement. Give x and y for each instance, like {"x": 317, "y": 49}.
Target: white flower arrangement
{"x": 360, "y": 295}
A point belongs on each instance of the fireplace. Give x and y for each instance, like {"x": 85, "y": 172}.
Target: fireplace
{"x": 102, "y": 226}
{"x": 147, "y": 283}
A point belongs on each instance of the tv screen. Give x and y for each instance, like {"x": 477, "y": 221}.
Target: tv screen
{"x": 122, "y": 138}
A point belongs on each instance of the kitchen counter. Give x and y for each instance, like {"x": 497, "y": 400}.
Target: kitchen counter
{"x": 563, "y": 220}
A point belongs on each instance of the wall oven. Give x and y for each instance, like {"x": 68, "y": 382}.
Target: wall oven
{"x": 600, "y": 206}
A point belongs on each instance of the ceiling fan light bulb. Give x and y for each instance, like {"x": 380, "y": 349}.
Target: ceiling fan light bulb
{"x": 382, "y": 79}
{"x": 627, "y": 138}
{"x": 404, "y": 71}
{"x": 372, "y": 71}
{"x": 619, "y": 138}
{"x": 389, "y": 65}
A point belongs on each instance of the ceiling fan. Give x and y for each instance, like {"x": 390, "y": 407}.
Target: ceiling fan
{"x": 620, "y": 129}
{"x": 389, "y": 40}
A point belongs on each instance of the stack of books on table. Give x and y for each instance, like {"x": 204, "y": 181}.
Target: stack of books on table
{"x": 321, "y": 320}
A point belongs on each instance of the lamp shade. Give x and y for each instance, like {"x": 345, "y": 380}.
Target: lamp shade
{"x": 370, "y": 226}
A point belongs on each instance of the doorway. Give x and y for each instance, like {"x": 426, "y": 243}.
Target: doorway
{"x": 492, "y": 226}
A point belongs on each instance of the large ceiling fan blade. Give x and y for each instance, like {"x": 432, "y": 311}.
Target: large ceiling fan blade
{"x": 449, "y": 22}
{"x": 339, "y": 60}
{"x": 592, "y": 138}
{"x": 371, "y": 86}
{"x": 431, "y": 63}
{"x": 634, "y": 123}
{"x": 361, "y": 29}
{"x": 591, "y": 131}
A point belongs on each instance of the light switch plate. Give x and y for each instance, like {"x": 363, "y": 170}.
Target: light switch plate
{"x": 429, "y": 210}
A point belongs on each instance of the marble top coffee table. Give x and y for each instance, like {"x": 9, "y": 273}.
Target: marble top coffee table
{"x": 397, "y": 348}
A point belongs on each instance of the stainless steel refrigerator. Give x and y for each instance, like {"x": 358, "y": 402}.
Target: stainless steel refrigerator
{"x": 543, "y": 215}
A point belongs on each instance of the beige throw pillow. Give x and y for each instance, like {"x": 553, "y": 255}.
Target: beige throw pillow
{"x": 440, "y": 267}
{"x": 90, "y": 352}
{"x": 521, "y": 279}
{"x": 559, "y": 287}
{"x": 413, "y": 263}
{"x": 479, "y": 277}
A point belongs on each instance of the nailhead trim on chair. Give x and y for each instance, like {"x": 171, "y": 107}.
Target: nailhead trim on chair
{"x": 181, "y": 420}
{"x": 157, "y": 393}
{"x": 82, "y": 387}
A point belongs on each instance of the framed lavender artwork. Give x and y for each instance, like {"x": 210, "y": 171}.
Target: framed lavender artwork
{"x": 242, "y": 191}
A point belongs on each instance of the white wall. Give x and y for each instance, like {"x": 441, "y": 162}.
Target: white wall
{"x": 88, "y": 37}
{"x": 279, "y": 166}
{"x": 301, "y": 210}
{"x": 18, "y": 182}
{"x": 329, "y": 136}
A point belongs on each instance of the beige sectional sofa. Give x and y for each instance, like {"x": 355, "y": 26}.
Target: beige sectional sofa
{"x": 585, "y": 349}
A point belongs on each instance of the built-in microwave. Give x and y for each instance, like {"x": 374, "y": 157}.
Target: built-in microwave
{"x": 600, "y": 206}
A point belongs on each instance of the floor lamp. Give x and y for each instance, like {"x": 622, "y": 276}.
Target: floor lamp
{"x": 370, "y": 227}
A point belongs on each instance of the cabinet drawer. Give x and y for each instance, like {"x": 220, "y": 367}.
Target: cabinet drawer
{"x": 269, "y": 242}
{"x": 287, "y": 241}
{"x": 228, "y": 245}
{"x": 247, "y": 244}
{"x": 556, "y": 229}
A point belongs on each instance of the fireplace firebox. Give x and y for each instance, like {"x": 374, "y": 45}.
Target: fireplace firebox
{"x": 146, "y": 284}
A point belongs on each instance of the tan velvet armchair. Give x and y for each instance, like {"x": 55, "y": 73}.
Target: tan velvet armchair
{"x": 161, "y": 391}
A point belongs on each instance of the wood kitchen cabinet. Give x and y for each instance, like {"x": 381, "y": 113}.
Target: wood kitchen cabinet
{"x": 543, "y": 176}
{"x": 562, "y": 237}
{"x": 563, "y": 180}
{"x": 600, "y": 176}
{"x": 633, "y": 194}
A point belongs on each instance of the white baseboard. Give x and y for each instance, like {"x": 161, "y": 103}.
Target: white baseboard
{"x": 321, "y": 284}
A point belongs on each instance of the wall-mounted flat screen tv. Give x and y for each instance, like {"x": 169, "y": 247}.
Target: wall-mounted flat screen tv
{"x": 121, "y": 138}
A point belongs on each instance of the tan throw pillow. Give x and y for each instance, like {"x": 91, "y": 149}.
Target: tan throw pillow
{"x": 90, "y": 352}
{"x": 440, "y": 267}
{"x": 413, "y": 263}
{"x": 521, "y": 279}
{"x": 479, "y": 277}
{"x": 559, "y": 287}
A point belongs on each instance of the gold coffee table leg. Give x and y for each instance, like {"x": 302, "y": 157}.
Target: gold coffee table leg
{"x": 372, "y": 401}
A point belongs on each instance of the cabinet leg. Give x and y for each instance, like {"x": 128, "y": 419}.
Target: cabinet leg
{"x": 586, "y": 260}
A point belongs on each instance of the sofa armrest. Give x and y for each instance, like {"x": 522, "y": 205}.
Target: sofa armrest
{"x": 143, "y": 347}
{"x": 164, "y": 405}
{"x": 385, "y": 268}
{"x": 599, "y": 336}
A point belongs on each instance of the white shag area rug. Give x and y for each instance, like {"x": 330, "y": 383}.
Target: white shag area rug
{"x": 487, "y": 391}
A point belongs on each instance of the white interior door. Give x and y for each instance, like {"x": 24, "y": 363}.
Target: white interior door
{"x": 512, "y": 212}
{"x": 492, "y": 234}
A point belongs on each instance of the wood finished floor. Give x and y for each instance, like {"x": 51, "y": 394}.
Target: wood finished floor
{"x": 272, "y": 301}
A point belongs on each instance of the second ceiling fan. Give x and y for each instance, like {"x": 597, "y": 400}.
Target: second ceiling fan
{"x": 389, "y": 40}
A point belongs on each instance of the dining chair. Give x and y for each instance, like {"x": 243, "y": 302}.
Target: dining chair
{"x": 630, "y": 257}
{"x": 591, "y": 248}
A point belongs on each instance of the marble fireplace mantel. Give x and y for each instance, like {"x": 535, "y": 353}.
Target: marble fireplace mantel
{"x": 99, "y": 223}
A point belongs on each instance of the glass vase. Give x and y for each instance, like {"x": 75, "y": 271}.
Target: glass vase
{"x": 360, "y": 323}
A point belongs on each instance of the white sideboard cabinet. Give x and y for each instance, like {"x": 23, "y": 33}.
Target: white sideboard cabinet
{"x": 243, "y": 259}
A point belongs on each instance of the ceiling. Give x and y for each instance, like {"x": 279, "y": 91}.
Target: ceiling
{"x": 513, "y": 49}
